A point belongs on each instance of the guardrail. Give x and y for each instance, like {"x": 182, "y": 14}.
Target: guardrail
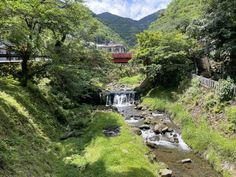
{"x": 209, "y": 83}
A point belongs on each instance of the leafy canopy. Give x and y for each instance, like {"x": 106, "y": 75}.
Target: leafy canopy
{"x": 166, "y": 55}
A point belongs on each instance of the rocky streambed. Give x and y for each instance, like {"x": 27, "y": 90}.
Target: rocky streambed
{"x": 165, "y": 142}
{"x": 164, "y": 139}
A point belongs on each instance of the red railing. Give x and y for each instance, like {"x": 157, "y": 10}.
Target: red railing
{"x": 121, "y": 57}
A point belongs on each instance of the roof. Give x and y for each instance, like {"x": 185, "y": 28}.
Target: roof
{"x": 109, "y": 45}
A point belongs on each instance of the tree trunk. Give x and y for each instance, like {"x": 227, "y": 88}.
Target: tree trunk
{"x": 24, "y": 70}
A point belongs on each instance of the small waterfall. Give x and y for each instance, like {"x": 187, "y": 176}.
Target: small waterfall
{"x": 120, "y": 99}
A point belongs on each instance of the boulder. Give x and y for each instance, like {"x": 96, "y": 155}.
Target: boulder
{"x": 158, "y": 128}
{"x": 154, "y": 138}
{"x": 137, "y": 131}
{"x": 151, "y": 144}
{"x": 144, "y": 127}
{"x": 112, "y": 131}
{"x": 172, "y": 140}
{"x": 176, "y": 140}
{"x": 165, "y": 129}
{"x": 139, "y": 107}
{"x": 165, "y": 173}
{"x": 186, "y": 161}
{"x": 148, "y": 121}
{"x": 158, "y": 115}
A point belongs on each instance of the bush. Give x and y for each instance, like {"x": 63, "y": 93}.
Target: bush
{"x": 231, "y": 115}
{"x": 225, "y": 89}
{"x": 213, "y": 103}
{"x": 135, "y": 80}
{"x": 191, "y": 93}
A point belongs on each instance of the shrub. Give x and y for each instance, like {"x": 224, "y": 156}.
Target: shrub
{"x": 192, "y": 93}
{"x": 135, "y": 80}
{"x": 225, "y": 89}
{"x": 231, "y": 115}
{"x": 213, "y": 103}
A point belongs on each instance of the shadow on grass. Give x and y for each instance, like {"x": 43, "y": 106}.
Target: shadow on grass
{"x": 99, "y": 169}
{"x": 100, "y": 122}
{"x": 17, "y": 129}
{"x": 32, "y": 102}
{"x": 104, "y": 166}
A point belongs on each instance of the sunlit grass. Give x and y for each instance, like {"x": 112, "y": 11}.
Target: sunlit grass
{"x": 133, "y": 81}
{"x": 200, "y": 136}
{"x": 119, "y": 156}
{"x": 30, "y": 142}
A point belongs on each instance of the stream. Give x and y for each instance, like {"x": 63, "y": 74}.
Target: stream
{"x": 161, "y": 135}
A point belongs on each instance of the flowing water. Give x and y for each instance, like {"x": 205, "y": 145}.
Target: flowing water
{"x": 160, "y": 132}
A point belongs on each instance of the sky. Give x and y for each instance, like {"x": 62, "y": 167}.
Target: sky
{"x": 135, "y": 9}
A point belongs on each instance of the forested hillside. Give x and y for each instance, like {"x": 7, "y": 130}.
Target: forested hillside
{"x": 126, "y": 27}
{"x": 105, "y": 34}
{"x": 179, "y": 15}
{"x": 194, "y": 37}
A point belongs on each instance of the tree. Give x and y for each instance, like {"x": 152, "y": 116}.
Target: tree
{"x": 33, "y": 26}
{"x": 217, "y": 33}
{"x": 166, "y": 56}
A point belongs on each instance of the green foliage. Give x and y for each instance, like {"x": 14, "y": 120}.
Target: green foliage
{"x": 77, "y": 72}
{"x": 191, "y": 92}
{"x": 9, "y": 70}
{"x": 225, "y": 89}
{"x": 128, "y": 28}
{"x": 133, "y": 81}
{"x": 37, "y": 28}
{"x": 179, "y": 15}
{"x": 231, "y": 115}
{"x": 200, "y": 136}
{"x": 30, "y": 134}
{"x": 28, "y": 127}
{"x": 217, "y": 30}
{"x": 103, "y": 34}
{"x": 213, "y": 103}
{"x": 105, "y": 157}
{"x": 166, "y": 55}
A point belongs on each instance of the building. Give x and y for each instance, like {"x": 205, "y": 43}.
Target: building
{"x": 112, "y": 48}
{"x": 118, "y": 51}
{"x": 6, "y": 53}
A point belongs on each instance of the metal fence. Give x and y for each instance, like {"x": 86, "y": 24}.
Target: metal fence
{"x": 209, "y": 83}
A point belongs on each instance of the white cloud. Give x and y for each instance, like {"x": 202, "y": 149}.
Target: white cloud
{"x": 135, "y": 9}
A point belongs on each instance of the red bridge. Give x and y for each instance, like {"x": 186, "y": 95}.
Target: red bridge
{"x": 121, "y": 57}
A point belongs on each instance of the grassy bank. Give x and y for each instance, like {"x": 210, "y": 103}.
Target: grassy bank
{"x": 30, "y": 145}
{"x": 197, "y": 126}
{"x": 99, "y": 156}
{"x": 132, "y": 81}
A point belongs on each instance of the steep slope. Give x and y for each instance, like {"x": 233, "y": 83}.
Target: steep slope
{"x": 145, "y": 22}
{"x": 30, "y": 145}
{"x": 105, "y": 34}
{"x": 179, "y": 14}
{"x": 126, "y": 27}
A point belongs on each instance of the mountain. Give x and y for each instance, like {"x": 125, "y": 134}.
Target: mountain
{"x": 179, "y": 14}
{"x": 104, "y": 34}
{"x": 145, "y": 22}
{"x": 128, "y": 28}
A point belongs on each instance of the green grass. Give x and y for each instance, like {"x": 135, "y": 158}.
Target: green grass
{"x": 231, "y": 114}
{"x": 30, "y": 144}
{"x": 200, "y": 136}
{"x": 28, "y": 131}
{"x": 132, "y": 81}
{"x": 99, "y": 156}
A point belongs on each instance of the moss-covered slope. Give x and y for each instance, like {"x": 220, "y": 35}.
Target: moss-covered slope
{"x": 30, "y": 145}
